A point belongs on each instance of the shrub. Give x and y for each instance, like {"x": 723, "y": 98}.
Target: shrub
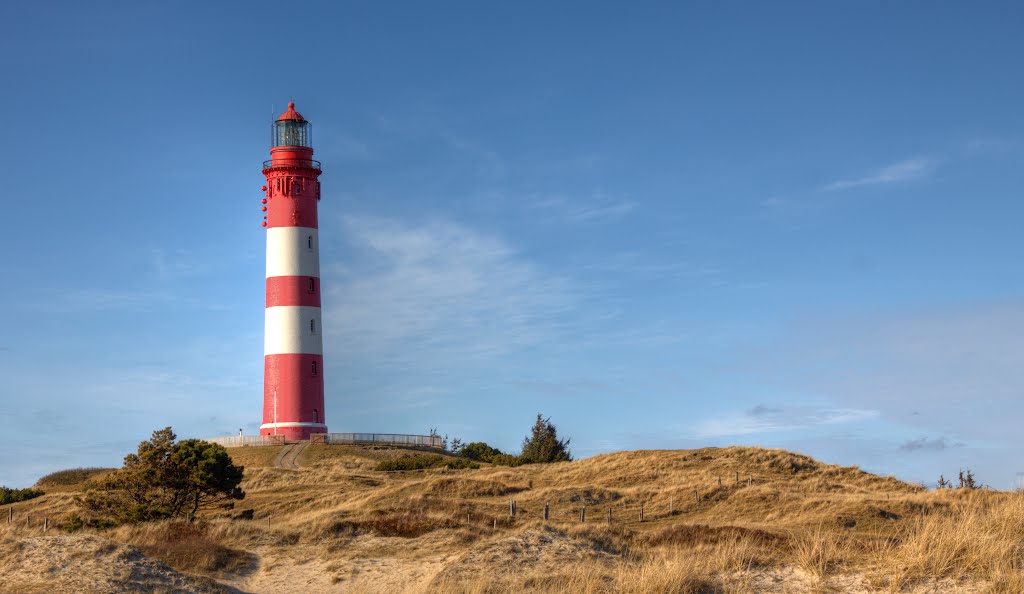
{"x": 460, "y": 464}
{"x": 17, "y": 495}
{"x": 479, "y": 451}
{"x": 166, "y": 479}
{"x": 411, "y": 463}
{"x": 506, "y": 460}
{"x": 69, "y": 477}
{"x": 75, "y": 522}
{"x": 543, "y": 445}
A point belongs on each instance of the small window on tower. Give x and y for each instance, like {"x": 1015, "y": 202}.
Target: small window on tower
{"x": 309, "y": 242}
{"x": 312, "y": 326}
{"x": 316, "y": 417}
{"x": 314, "y": 367}
{"x": 312, "y": 284}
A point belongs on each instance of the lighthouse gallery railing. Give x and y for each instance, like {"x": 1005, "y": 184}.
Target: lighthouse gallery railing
{"x": 307, "y": 163}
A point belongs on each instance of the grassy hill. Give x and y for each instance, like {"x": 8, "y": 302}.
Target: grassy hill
{"x": 734, "y": 519}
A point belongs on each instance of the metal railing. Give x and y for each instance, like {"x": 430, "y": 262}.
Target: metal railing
{"x": 305, "y": 163}
{"x": 429, "y": 441}
{"x": 247, "y": 440}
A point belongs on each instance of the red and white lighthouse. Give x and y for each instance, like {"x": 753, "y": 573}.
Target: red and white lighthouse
{"x": 293, "y": 361}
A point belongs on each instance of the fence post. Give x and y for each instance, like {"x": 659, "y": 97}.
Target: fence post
{"x": 696, "y": 496}
{"x": 547, "y": 511}
{"x": 583, "y": 515}
{"x": 719, "y": 482}
{"x": 670, "y": 506}
{"x": 495, "y": 527}
{"x": 609, "y": 515}
{"x": 46, "y": 523}
{"x": 641, "y": 512}
{"x": 28, "y": 521}
{"x": 10, "y": 514}
{"x": 750, "y": 479}
{"x": 737, "y": 477}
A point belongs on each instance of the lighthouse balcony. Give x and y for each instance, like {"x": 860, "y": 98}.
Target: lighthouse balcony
{"x": 291, "y": 163}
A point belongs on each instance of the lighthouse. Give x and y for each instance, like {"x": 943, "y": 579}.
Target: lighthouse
{"x": 293, "y": 362}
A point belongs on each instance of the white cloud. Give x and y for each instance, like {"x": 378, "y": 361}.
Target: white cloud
{"x": 897, "y": 172}
{"x": 765, "y": 419}
{"x": 435, "y": 290}
{"x": 598, "y": 209}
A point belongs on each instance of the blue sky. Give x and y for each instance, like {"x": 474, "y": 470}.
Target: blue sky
{"x": 665, "y": 225}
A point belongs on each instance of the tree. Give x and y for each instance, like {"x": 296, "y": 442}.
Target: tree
{"x": 543, "y": 445}
{"x": 943, "y": 483}
{"x": 166, "y": 479}
{"x": 967, "y": 480}
{"x": 479, "y": 450}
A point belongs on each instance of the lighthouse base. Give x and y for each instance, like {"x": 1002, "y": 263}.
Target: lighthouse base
{"x": 293, "y": 431}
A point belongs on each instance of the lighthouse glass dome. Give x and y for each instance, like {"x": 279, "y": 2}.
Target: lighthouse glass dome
{"x": 292, "y": 133}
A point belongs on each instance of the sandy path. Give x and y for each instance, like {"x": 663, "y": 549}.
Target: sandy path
{"x": 289, "y": 456}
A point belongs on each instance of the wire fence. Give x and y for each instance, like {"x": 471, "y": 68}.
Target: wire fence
{"x": 247, "y": 440}
{"x": 428, "y": 441}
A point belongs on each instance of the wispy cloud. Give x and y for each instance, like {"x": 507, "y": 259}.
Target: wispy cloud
{"x": 176, "y": 264}
{"x": 764, "y": 419}
{"x": 897, "y": 172}
{"x": 598, "y": 208}
{"x": 423, "y": 290}
{"x": 923, "y": 443}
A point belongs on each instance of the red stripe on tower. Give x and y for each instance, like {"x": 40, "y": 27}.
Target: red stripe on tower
{"x": 293, "y": 380}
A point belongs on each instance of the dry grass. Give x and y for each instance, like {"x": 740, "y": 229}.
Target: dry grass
{"x": 186, "y": 547}
{"x": 72, "y": 477}
{"x": 788, "y": 524}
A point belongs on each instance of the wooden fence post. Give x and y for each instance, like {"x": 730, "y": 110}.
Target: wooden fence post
{"x": 719, "y": 482}
{"x": 46, "y": 523}
{"x": 750, "y": 480}
{"x": 609, "y": 515}
{"x": 737, "y": 477}
{"x": 495, "y": 524}
{"x": 28, "y": 521}
{"x": 641, "y": 512}
{"x": 696, "y": 496}
{"x": 10, "y": 514}
{"x": 670, "y": 505}
{"x": 547, "y": 511}
{"x": 583, "y": 515}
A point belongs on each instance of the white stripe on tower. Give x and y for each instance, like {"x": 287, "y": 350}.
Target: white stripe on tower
{"x": 292, "y": 329}
{"x": 293, "y": 251}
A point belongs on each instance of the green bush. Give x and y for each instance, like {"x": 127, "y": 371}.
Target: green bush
{"x": 479, "y": 451}
{"x": 411, "y": 463}
{"x": 75, "y": 522}
{"x": 506, "y": 460}
{"x": 461, "y": 463}
{"x": 70, "y": 477}
{"x": 16, "y": 495}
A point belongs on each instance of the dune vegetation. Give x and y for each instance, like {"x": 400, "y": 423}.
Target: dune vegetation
{"x": 736, "y": 519}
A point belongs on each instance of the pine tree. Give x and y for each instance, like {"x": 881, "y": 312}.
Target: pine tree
{"x": 543, "y": 445}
